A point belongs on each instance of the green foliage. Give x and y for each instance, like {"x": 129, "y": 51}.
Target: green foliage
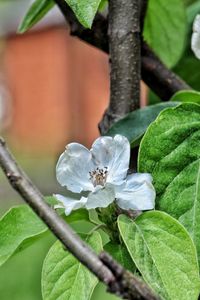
{"x": 164, "y": 254}
{"x": 85, "y": 10}
{"x": 36, "y": 12}
{"x": 189, "y": 70}
{"x": 19, "y": 227}
{"x": 121, "y": 255}
{"x": 165, "y": 29}
{"x": 134, "y": 125}
{"x": 64, "y": 277}
{"x": 170, "y": 150}
{"x": 186, "y": 96}
{"x": 103, "y": 4}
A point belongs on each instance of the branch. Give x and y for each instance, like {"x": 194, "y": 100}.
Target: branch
{"x": 118, "y": 280}
{"x": 124, "y": 49}
{"x": 155, "y": 74}
{"x": 158, "y": 77}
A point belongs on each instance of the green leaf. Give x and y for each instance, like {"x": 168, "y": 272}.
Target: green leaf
{"x": 189, "y": 70}
{"x": 102, "y": 6}
{"x": 165, "y": 29}
{"x": 170, "y": 150}
{"x": 134, "y": 125}
{"x": 85, "y": 10}
{"x": 36, "y": 12}
{"x": 186, "y": 96}
{"x": 18, "y": 228}
{"x": 164, "y": 254}
{"x": 64, "y": 277}
{"x": 121, "y": 255}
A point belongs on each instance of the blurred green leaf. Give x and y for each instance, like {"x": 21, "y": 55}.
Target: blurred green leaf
{"x": 134, "y": 125}
{"x": 64, "y": 277}
{"x": 186, "y": 96}
{"x": 164, "y": 254}
{"x": 85, "y": 10}
{"x": 189, "y": 70}
{"x": 36, "y": 12}
{"x": 103, "y": 4}
{"x": 170, "y": 151}
{"x": 165, "y": 29}
{"x": 18, "y": 228}
{"x": 121, "y": 255}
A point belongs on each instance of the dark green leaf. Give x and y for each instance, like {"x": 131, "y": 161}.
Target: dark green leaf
{"x": 121, "y": 255}
{"x": 170, "y": 150}
{"x": 164, "y": 254}
{"x": 64, "y": 277}
{"x": 134, "y": 125}
{"x": 189, "y": 70}
{"x": 36, "y": 12}
{"x": 165, "y": 29}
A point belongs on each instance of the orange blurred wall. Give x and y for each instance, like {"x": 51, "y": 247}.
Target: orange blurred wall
{"x": 59, "y": 89}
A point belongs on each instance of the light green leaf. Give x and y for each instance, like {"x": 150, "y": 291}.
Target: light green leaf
{"x": 18, "y": 228}
{"x": 85, "y": 10}
{"x": 170, "y": 150}
{"x": 164, "y": 254}
{"x": 36, "y": 12}
{"x": 186, "y": 96}
{"x": 165, "y": 29}
{"x": 103, "y": 4}
{"x": 64, "y": 277}
{"x": 134, "y": 125}
{"x": 121, "y": 255}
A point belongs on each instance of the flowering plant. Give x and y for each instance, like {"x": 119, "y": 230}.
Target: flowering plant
{"x": 101, "y": 173}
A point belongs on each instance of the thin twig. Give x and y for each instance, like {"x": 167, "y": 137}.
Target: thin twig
{"x": 120, "y": 285}
{"x": 125, "y": 57}
{"x": 155, "y": 74}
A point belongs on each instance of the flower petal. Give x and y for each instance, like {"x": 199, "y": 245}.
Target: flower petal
{"x": 195, "y": 43}
{"x": 102, "y": 197}
{"x": 113, "y": 153}
{"x": 137, "y": 194}
{"x": 69, "y": 204}
{"x": 73, "y": 168}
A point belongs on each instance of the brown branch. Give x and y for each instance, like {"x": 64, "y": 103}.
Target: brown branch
{"x": 118, "y": 280}
{"x": 158, "y": 77}
{"x": 125, "y": 57}
{"x": 155, "y": 74}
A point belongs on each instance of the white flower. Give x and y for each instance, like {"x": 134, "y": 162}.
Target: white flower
{"x": 98, "y": 176}
{"x": 195, "y": 44}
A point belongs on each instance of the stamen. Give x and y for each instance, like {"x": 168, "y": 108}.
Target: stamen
{"x": 99, "y": 176}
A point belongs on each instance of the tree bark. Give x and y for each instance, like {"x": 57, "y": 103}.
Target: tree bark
{"x": 125, "y": 57}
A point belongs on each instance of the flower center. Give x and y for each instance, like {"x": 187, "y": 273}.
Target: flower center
{"x": 99, "y": 176}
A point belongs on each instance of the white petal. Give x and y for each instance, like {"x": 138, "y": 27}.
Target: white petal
{"x": 70, "y": 204}
{"x": 195, "y": 43}
{"x": 136, "y": 179}
{"x": 113, "y": 153}
{"x": 102, "y": 197}
{"x": 137, "y": 194}
{"x": 73, "y": 168}
{"x": 196, "y": 24}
